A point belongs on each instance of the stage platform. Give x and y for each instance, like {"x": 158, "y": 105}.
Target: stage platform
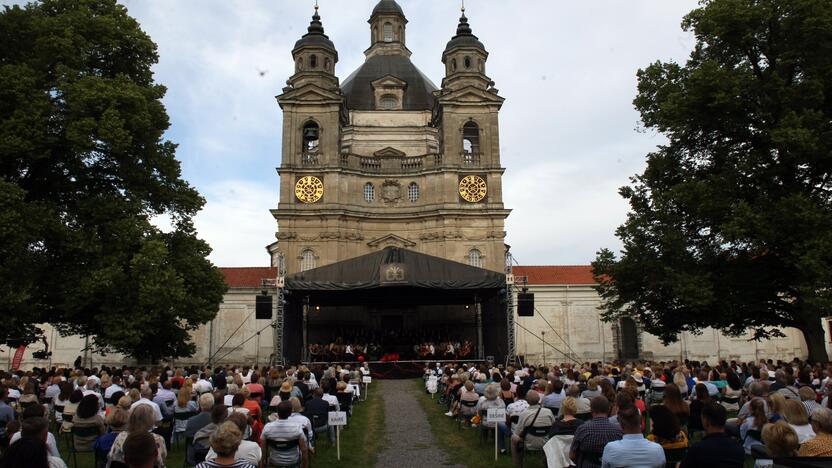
{"x": 397, "y": 369}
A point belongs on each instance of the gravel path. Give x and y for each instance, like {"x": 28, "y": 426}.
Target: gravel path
{"x": 409, "y": 442}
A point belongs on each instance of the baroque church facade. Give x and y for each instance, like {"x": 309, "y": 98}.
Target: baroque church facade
{"x": 386, "y": 157}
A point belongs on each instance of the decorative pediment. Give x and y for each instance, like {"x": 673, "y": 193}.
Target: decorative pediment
{"x": 389, "y": 152}
{"x": 390, "y": 240}
{"x": 472, "y": 95}
{"x": 389, "y": 82}
{"x": 308, "y": 93}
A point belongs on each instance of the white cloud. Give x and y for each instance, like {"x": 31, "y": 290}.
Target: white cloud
{"x": 237, "y": 223}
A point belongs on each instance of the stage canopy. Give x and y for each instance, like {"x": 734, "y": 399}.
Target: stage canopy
{"x": 396, "y": 267}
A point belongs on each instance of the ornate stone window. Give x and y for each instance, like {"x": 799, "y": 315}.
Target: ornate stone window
{"x": 453, "y": 65}
{"x": 388, "y": 32}
{"x": 313, "y": 61}
{"x": 389, "y": 102}
{"x": 475, "y": 258}
{"x": 299, "y": 65}
{"x": 413, "y": 192}
{"x": 369, "y": 192}
{"x": 467, "y": 62}
{"x": 308, "y": 260}
{"x": 327, "y": 64}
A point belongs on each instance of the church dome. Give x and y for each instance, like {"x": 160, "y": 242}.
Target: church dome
{"x": 387, "y": 6}
{"x": 358, "y": 88}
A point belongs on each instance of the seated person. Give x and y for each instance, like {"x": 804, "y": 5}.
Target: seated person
{"x": 534, "y": 416}
{"x": 780, "y": 441}
{"x": 821, "y": 445}
{"x": 665, "y": 429}
{"x": 633, "y": 449}
{"x": 717, "y": 448}
{"x": 140, "y": 450}
{"x": 225, "y": 443}
{"x": 568, "y": 423}
{"x": 284, "y": 430}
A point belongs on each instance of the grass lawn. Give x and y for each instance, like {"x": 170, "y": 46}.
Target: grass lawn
{"x": 359, "y": 442}
{"x": 463, "y": 446}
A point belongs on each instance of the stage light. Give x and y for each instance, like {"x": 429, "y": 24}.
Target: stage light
{"x": 317, "y": 307}
{"x": 466, "y": 307}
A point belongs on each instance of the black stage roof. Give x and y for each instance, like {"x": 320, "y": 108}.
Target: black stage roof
{"x": 397, "y": 268}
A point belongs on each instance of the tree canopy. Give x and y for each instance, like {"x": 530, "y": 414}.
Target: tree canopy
{"x": 731, "y": 222}
{"x": 84, "y": 169}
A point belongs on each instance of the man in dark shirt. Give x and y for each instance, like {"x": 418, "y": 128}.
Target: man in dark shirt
{"x": 592, "y": 436}
{"x": 304, "y": 389}
{"x": 717, "y": 449}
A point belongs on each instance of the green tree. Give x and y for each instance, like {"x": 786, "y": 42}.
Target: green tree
{"x": 84, "y": 168}
{"x": 731, "y": 223}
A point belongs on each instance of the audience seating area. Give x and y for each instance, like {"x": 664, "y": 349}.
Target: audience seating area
{"x": 269, "y": 416}
{"x": 681, "y": 413}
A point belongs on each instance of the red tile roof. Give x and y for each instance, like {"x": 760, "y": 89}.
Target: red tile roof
{"x": 555, "y": 274}
{"x": 247, "y": 277}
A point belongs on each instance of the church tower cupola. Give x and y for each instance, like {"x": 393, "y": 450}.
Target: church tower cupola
{"x": 387, "y": 30}
{"x": 315, "y": 53}
{"x": 465, "y": 55}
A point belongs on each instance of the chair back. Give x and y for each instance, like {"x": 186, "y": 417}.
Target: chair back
{"x": 319, "y": 421}
{"x": 538, "y": 431}
{"x": 183, "y": 416}
{"x": 755, "y": 434}
{"x": 286, "y": 447}
{"x": 673, "y": 456}
{"x": 468, "y": 403}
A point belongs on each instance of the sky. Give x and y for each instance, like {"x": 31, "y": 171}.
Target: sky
{"x": 569, "y": 134}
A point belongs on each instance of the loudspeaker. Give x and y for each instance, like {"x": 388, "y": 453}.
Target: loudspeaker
{"x": 263, "y": 309}
{"x": 525, "y": 304}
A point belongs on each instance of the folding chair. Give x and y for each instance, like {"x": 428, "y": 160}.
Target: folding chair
{"x": 537, "y": 431}
{"x": 287, "y": 447}
{"x": 83, "y": 431}
{"x": 674, "y": 456}
{"x": 460, "y": 416}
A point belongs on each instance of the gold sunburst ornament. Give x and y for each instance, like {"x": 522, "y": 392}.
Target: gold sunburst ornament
{"x": 472, "y": 188}
{"x": 309, "y": 189}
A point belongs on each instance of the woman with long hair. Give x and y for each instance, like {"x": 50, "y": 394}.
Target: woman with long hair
{"x": 665, "y": 428}
{"x": 702, "y": 398}
{"x": 86, "y": 416}
{"x": 752, "y": 426}
{"x": 673, "y": 401}
{"x": 732, "y": 397}
{"x": 776, "y": 407}
{"x": 184, "y": 408}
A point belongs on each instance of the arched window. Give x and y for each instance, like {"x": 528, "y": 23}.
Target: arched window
{"x": 369, "y": 192}
{"x": 389, "y": 102}
{"x": 307, "y": 260}
{"x": 327, "y": 64}
{"x": 475, "y": 258}
{"x": 453, "y": 65}
{"x": 470, "y": 142}
{"x": 413, "y": 192}
{"x": 311, "y": 141}
{"x": 313, "y": 61}
{"x": 299, "y": 66}
{"x": 388, "y": 32}
{"x": 467, "y": 62}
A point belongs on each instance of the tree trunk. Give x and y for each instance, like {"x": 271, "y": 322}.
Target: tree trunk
{"x": 815, "y": 340}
